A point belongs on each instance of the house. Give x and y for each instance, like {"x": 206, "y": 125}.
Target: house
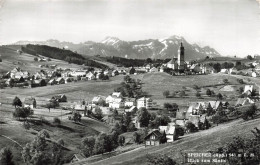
{"x": 131, "y": 110}
{"x": 80, "y": 109}
{"x": 173, "y": 64}
{"x": 154, "y": 70}
{"x": 97, "y": 100}
{"x": 9, "y": 82}
{"x": 117, "y": 94}
{"x": 248, "y": 88}
{"x": 90, "y": 76}
{"x": 181, "y": 117}
{"x": 144, "y": 103}
{"x": 38, "y": 83}
{"x": 52, "y": 82}
{"x": 109, "y": 99}
{"x": 244, "y": 101}
{"x": 60, "y": 80}
{"x": 78, "y": 73}
{"x": 116, "y": 103}
{"x": 254, "y": 74}
{"x": 60, "y": 98}
{"x": 68, "y": 80}
{"x": 196, "y": 68}
{"x": 196, "y": 108}
{"x": 216, "y": 105}
{"x": 224, "y": 71}
{"x": 30, "y": 102}
{"x": 77, "y": 157}
{"x": 129, "y": 102}
{"x": 170, "y": 131}
{"x": 153, "y": 138}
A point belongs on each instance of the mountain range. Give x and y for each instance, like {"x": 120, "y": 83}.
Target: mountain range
{"x": 142, "y": 49}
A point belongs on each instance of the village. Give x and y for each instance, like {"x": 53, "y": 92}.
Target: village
{"x": 139, "y": 115}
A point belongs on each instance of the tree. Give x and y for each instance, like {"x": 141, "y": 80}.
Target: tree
{"x": 21, "y": 112}
{"x": 37, "y": 152}
{"x": 98, "y": 113}
{"x": 208, "y": 92}
{"x": 76, "y": 117}
{"x": 249, "y": 57}
{"x": 167, "y": 106}
{"x": 219, "y": 96}
{"x": 182, "y": 94}
{"x": 17, "y": 102}
{"x": 61, "y": 142}
{"x": 121, "y": 140}
{"x": 225, "y": 81}
{"x": 163, "y": 138}
{"x": 198, "y": 94}
{"x": 6, "y": 156}
{"x": 149, "y": 60}
{"x": 132, "y": 70}
{"x": 190, "y": 127}
{"x": 166, "y": 94}
{"x": 217, "y": 67}
{"x": 56, "y": 120}
{"x": 250, "y": 112}
{"x": 143, "y": 116}
{"x": 88, "y": 144}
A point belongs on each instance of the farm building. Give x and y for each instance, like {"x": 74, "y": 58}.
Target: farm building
{"x": 144, "y": 103}
{"x": 244, "y": 101}
{"x": 30, "y": 102}
{"x": 153, "y": 138}
{"x": 60, "y": 98}
{"x": 60, "y": 80}
{"x": 170, "y": 131}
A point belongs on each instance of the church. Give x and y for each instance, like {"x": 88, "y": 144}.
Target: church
{"x": 178, "y": 64}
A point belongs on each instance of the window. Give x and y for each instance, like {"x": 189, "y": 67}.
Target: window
{"x": 152, "y": 137}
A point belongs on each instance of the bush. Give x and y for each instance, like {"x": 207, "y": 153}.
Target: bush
{"x": 166, "y": 94}
{"x": 56, "y": 120}
{"x": 198, "y": 94}
{"x": 160, "y": 160}
{"x": 6, "y": 156}
{"x": 190, "y": 127}
{"x": 61, "y": 142}
{"x": 249, "y": 113}
{"x": 35, "y": 59}
{"x": 26, "y": 125}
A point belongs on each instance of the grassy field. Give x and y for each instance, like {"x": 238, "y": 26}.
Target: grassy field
{"x": 12, "y": 59}
{"x": 156, "y": 83}
{"x": 203, "y": 141}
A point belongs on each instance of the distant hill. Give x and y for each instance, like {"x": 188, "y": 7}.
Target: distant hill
{"x": 142, "y": 49}
{"x": 61, "y": 54}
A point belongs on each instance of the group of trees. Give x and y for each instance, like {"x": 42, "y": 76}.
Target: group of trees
{"x": 243, "y": 150}
{"x": 22, "y": 112}
{"x": 40, "y": 152}
{"x": 129, "y": 88}
{"x": 126, "y": 62}
{"x": 250, "y": 112}
{"x": 61, "y": 54}
{"x": 167, "y": 93}
{"x": 151, "y": 120}
{"x": 6, "y": 156}
{"x": 102, "y": 143}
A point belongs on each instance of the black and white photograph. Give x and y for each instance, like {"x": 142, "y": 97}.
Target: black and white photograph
{"x": 129, "y": 82}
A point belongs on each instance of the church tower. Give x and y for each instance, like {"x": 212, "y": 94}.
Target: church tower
{"x": 181, "y": 58}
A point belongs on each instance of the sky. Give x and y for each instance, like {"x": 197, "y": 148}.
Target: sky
{"x": 232, "y": 27}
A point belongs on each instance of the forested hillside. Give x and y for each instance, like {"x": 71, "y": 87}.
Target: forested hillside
{"x": 61, "y": 54}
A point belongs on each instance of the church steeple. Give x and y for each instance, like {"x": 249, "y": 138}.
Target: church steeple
{"x": 181, "y": 57}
